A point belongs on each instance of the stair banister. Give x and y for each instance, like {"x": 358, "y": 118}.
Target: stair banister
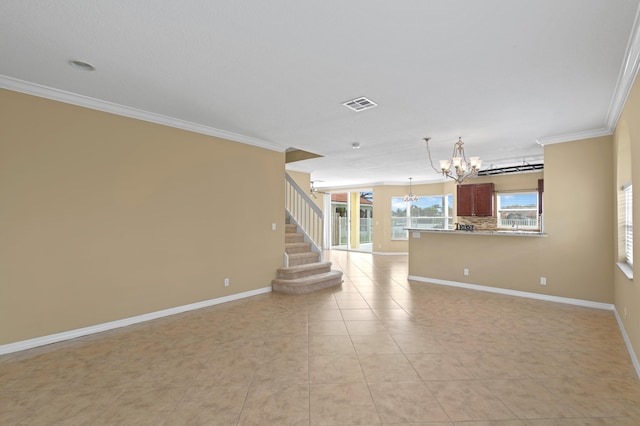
{"x": 302, "y": 211}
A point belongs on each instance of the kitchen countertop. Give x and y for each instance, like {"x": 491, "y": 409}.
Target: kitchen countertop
{"x": 498, "y": 232}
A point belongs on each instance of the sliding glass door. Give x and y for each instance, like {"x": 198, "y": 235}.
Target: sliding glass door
{"x": 352, "y": 221}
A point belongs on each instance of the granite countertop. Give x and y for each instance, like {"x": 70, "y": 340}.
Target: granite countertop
{"x": 497, "y": 232}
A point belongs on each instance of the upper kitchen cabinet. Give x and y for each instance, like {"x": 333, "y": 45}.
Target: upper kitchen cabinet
{"x": 475, "y": 200}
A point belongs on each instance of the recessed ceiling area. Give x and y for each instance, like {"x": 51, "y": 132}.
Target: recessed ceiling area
{"x": 507, "y": 76}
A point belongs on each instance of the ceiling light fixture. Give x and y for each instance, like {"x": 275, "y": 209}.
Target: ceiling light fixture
{"x": 82, "y": 66}
{"x": 410, "y": 197}
{"x": 462, "y": 168}
{"x": 355, "y": 145}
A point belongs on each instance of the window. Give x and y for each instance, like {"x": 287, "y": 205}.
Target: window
{"x": 518, "y": 210}
{"x": 628, "y": 224}
{"x": 429, "y": 212}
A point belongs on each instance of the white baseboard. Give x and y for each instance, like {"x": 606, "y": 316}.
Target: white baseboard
{"x": 72, "y": 334}
{"x": 546, "y": 297}
{"x": 625, "y": 336}
{"x": 391, "y": 253}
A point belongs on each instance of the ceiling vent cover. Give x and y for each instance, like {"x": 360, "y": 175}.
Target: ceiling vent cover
{"x": 360, "y": 104}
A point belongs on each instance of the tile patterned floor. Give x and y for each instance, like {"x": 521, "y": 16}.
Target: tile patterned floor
{"x": 380, "y": 350}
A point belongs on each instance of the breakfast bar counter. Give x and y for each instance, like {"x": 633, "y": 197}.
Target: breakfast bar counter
{"x": 499, "y": 232}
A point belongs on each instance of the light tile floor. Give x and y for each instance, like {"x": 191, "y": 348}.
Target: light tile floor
{"x": 379, "y": 350}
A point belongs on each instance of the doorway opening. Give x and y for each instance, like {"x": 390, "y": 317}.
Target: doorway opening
{"x": 352, "y": 221}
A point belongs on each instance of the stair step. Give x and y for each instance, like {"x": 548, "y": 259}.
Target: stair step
{"x": 292, "y": 237}
{"x": 291, "y": 248}
{"x": 307, "y": 284}
{"x": 306, "y": 270}
{"x": 290, "y": 228}
{"x": 296, "y": 259}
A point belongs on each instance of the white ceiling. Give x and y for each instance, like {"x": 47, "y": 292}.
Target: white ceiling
{"x": 500, "y": 73}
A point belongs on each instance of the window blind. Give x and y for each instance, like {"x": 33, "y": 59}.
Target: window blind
{"x": 628, "y": 224}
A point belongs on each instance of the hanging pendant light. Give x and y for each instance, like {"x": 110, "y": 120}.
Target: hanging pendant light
{"x": 410, "y": 197}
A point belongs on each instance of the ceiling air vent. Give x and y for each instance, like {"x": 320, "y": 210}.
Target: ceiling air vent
{"x": 360, "y": 104}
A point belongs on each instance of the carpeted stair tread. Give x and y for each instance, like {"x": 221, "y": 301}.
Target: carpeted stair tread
{"x": 308, "y": 284}
{"x": 307, "y": 269}
{"x": 293, "y": 237}
{"x": 291, "y": 248}
{"x": 305, "y": 272}
{"x": 296, "y": 259}
{"x": 290, "y": 228}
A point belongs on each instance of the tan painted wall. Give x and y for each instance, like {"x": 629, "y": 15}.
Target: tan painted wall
{"x": 104, "y": 217}
{"x": 627, "y": 139}
{"x": 576, "y": 257}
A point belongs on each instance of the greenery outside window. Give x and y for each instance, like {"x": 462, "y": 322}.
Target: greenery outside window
{"x": 518, "y": 210}
{"x": 429, "y": 212}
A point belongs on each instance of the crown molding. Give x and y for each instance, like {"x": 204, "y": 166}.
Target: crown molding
{"x": 627, "y": 76}
{"x": 568, "y": 137}
{"x": 41, "y": 91}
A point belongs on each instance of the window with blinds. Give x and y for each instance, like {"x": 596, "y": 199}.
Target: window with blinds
{"x": 628, "y": 224}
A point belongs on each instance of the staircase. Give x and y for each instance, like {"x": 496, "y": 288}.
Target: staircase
{"x": 305, "y": 273}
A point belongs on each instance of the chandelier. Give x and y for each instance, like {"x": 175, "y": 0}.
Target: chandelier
{"x": 410, "y": 197}
{"x": 458, "y": 167}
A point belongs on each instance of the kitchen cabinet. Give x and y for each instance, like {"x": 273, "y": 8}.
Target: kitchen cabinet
{"x": 475, "y": 200}
{"x": 540, "y": 192}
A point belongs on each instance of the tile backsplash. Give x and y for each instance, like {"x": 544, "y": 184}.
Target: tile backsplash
{"x": 480, "y": 223}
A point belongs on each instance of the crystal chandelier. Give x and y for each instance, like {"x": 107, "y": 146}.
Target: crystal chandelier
{"x": 410, "y": 197}
{"x": 458, "y": 167}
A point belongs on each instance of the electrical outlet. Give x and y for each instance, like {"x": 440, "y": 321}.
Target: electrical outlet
{"x": 226, "y": 282}
{"x": 466, "y": 271}
{"x": 543, "y": 280}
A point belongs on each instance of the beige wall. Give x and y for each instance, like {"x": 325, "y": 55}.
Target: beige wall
{"x": 104, "y": 217}
{"x": 627, "y": 143}
{"x": 575, "y": 257}
{"x": 580, "y": 247}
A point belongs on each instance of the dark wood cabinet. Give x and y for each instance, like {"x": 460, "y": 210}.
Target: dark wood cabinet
{"x": 475, "y": 200}
{"x": 465, "y": 200}
{"x": 540, "y": 191}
